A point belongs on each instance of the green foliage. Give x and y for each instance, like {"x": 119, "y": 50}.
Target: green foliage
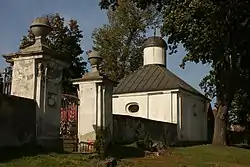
{"x": 208, "y": 32}
{"x": 239, "y": 110}
{"x": 120, "y": 42}
{"x": 214, "y": 32}
{"x": 65, "y": 39}
{"x": 196, "y": 156}
{"x": 106, "y": 4}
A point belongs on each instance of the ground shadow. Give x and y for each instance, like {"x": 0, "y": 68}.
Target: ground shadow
{"x": 11, "y": 153}
{"x": 123, "y": 151}
{"x": 190, "y": 144}
{"x": 241, "y": 146}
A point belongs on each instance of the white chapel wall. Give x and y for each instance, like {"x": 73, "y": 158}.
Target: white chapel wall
{"x": 193, "y": 115}
{"x": 162, "y": 107}
{"x": 158, "y": 106}
{"x": 120, "y": 102}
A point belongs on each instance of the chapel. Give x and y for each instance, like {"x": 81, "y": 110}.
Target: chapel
{"x": 158, "y": 103}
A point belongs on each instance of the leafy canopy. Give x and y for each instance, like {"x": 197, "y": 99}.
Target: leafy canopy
{"x": 120, "y": 41}
{"x": 105, "y": 4}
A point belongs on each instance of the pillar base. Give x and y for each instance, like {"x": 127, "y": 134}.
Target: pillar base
{"x": 51, "y": 143}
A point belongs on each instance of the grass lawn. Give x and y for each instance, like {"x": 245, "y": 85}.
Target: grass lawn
{"x": 196, "y": 156}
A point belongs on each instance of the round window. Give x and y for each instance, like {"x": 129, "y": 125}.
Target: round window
{"x": 133, "y": 108}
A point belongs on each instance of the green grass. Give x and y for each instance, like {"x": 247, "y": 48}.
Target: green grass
{"x": 196, "y": 156}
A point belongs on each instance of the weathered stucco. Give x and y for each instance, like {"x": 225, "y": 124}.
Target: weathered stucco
{"x": 36, "y": 77}
{"x": 17, "y": 120}
{"x": 23, "y": 78}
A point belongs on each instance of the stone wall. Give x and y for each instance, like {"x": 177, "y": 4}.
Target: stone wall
{"x": 17, "y": 120}
{"x": 127, "y": 128}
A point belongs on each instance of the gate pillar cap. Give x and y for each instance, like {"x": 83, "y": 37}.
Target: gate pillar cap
{"x": 94, "y": 58}
{"x": 40, "y": 27}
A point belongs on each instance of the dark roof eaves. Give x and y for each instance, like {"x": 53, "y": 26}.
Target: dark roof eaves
{"x": 180, "y": 88}
{"x": 118, "y": 93}
{"x": 195, "y": 93}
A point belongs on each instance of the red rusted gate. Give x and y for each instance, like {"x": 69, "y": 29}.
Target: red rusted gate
{"x": 69, "y": 122}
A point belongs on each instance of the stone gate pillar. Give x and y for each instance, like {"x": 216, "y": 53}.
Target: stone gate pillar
{"x": 95, "y": 110}
{"x": 37, "y": 74}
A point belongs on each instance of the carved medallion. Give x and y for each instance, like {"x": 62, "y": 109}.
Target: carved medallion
{"x": 52, "y": 99}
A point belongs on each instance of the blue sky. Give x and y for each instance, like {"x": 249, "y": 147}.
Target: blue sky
{"x": 17, "y": 15}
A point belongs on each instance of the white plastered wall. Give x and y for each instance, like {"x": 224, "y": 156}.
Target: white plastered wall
{"x": 158, "y": 106}
{"x": 193, "y": 116}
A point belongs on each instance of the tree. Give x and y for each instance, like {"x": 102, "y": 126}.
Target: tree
{"x": 105, "y": 4}
{"x": 239, "y": 110}
{"x": 120, "y": 42}
{"x": 65, "y": 40}
{"x": 214, "y": 32}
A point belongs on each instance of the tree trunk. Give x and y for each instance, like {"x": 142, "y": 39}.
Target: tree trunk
{"x": 220, "y": 126}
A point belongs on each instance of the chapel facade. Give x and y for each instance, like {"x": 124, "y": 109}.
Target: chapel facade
{"x": 162, "y": 103}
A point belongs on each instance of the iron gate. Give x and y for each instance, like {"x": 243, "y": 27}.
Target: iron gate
{"x": 5, "y": 80}
{"x": 69, "y": 122}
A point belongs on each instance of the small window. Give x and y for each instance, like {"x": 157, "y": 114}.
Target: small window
{"x": 194, "y": 112}
{"x": 132, "y": 107}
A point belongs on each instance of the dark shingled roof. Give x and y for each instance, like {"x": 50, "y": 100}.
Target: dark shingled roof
{"x": 152, "y": 77}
